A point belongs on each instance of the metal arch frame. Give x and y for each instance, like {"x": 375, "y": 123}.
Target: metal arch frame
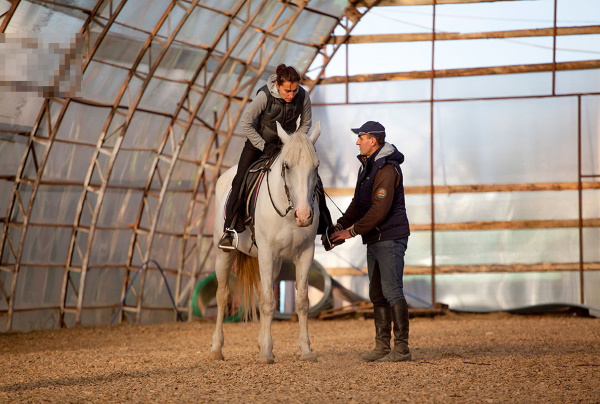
{"x": 351, "y": 14}
{"x": 432, "y": 74}
{"x": 67, "y": 279}
{"x": 9, "y": 14}
{"x": 180, "y": 292}
{"x": 51, "y": 123}
{"x": 165, "y": 181}
{"x": 41, "y": 140}
{"x": 121, "y": 130}
{"x": 208, "y": 239}
{"x": 234, "y": 93}
{"x": 44, "y": 117}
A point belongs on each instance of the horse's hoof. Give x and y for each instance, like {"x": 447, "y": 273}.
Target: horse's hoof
{"x": 309, "y": 357}
{"x": 266, "y": 361}
{"x": 216, "y": 356}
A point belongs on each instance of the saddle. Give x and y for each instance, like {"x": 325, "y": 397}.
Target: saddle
{"x": 249, "y": 191}
{"x": 251, "y": 185}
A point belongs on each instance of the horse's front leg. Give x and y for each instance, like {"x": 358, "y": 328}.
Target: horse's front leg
{"x": 223, "y": 267}
{"x": 266, "y": 307}
{"x": 302, "y": 305}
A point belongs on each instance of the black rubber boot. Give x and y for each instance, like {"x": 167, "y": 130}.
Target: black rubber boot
{"x": 383, "y": 334}
{"x": 400, "y": 352}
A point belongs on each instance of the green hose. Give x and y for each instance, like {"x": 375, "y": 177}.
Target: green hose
{"x": 204, "y": 292}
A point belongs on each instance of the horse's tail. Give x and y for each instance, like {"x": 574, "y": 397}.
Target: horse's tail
{"x": 247, "y": 285}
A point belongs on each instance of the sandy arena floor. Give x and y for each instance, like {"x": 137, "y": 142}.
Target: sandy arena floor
{"x": 458, "y": 358}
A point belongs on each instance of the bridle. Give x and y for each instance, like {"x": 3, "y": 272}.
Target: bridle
{"x": 287, "y": 192}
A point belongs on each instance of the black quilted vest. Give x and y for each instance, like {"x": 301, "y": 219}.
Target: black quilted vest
{"x": 277, "y": 110}
{"x": 395, "y": 225}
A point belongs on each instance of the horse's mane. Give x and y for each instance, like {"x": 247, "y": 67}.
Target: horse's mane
{"x": 299, "y": 147}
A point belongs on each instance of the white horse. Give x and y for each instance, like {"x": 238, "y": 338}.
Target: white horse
{"x": 280, "y": 233}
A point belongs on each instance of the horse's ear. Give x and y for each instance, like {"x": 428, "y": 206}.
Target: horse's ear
{"x": 316, "y": 132}
{"x": 282, "y": 133}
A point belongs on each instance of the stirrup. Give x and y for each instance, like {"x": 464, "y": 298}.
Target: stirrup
{"x": 327, "y": 243}
{"x": 235, "y": 240}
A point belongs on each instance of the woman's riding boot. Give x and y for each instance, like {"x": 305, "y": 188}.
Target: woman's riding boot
{"x": 383, "y": 334}
{"x": 325, "y": 226}
{"x": 325, "y": 220}
{"x": 400, "y": 351}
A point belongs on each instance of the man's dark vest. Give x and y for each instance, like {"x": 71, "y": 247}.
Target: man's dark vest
{"x": 395, "y": 225}
{"x": 277, "y": 110}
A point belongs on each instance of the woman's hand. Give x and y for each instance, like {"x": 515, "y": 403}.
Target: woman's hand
{"x": 270, "y": 149}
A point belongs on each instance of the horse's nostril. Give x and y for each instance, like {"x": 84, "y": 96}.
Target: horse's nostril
{"x": 295, "y": 215}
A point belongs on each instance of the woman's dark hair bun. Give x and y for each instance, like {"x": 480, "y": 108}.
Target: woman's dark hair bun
{"x": 287, "y": 73}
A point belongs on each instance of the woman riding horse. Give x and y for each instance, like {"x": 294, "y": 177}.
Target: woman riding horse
{"x": 280, "y": 100}
{"x": 285, "y": 228}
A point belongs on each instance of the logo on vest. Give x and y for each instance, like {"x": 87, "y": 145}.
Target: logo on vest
{"x": 381, "y": 193}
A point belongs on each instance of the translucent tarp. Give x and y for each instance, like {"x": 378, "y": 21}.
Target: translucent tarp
{"x": 500, "y": 141}
{"x": 128, "y": 172}
{"x": 482, "y": 293}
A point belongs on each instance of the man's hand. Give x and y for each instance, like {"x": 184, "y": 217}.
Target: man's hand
{"x": 340, "y": 235}
{"x": 326, "y": 238}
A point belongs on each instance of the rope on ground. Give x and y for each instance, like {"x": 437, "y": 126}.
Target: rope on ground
{"x": 145, "y": 264}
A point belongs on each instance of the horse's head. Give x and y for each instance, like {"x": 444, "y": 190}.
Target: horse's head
{"x": 299, "y": 163}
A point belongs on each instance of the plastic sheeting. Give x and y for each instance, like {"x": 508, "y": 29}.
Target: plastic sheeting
{"x": 507, "y": 141}
{"x": 150, "y": 99}
{"x": 475, "y": 142}
{"x": 483, "y": 293}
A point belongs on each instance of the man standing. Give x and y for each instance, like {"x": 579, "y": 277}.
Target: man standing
{"x": 378, "y": 213}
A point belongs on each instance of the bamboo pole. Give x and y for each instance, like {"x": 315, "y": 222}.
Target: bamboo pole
{"x": 477, "y": 71}
{"x": 455, "y": 189}
{"x": 454, "y": 36}
{"x": 474, "y": 269}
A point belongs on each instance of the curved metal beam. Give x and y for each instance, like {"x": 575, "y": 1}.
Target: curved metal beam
{"x": 7, "y": 16}
{"x": 248, "y": 86}
{"x": 45, "y": 125}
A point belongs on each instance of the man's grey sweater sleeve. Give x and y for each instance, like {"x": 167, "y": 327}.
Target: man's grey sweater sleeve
{"x": 254, "y": 109}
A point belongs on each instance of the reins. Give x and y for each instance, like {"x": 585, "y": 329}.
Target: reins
{"x": 287, "y": 193}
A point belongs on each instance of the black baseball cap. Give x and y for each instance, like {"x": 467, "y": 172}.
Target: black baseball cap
{"x": 371, "y": 127}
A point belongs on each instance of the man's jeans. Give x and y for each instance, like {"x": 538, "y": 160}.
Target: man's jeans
{"x": 385, "y": 260}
